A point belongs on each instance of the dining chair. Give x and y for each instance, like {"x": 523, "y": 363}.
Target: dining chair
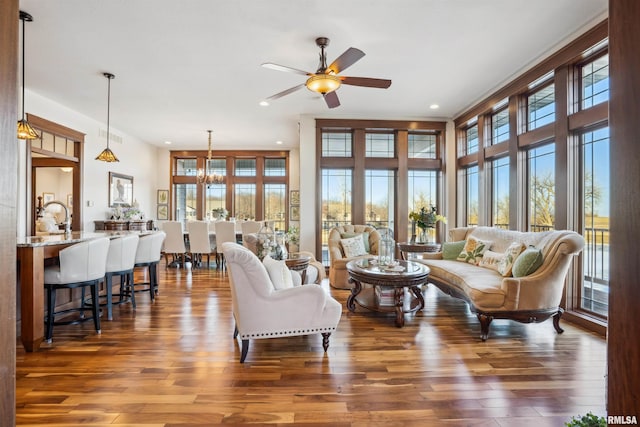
{"x": 148, "y": 255}
{"x": 248, "y": 227}
{"x": 199, "y": 244}
{"x": 81, "y": 265}
{"x": 225, "y": 232}
{"x": 174, "y": 244}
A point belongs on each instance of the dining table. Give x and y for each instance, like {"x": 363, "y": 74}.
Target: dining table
{"x": 32, "y": 253}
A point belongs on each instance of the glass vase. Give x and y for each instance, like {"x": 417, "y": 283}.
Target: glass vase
{"x": 266, "y": 243}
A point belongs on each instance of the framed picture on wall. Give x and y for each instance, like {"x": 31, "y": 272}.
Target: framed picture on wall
{"x": 163, "y": 197}
{"x": 69, "y": 201}
{"x": 294, "y": 197}
{"x": 120, "y": 190}
{"x": 163, "y": 212}
{"x": 294, "y": 213}
{"x": 48, "y": 197}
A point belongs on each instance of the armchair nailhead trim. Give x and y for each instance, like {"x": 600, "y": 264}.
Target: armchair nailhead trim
{"x": 285, "y": 333}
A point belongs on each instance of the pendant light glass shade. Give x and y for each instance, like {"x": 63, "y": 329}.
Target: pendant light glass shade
{"x": 25, "y": 131}
{"x": 107, "y": 155}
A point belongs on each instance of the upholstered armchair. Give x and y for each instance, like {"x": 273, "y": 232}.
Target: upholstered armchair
{"x": 262, "y": 311}
{"x": 338, "y": 258}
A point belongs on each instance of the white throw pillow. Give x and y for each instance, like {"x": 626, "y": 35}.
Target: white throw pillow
{"x": 279, "y": 273}
{"x": 512, "y": 252}
{"x": 353, "y": 246}
{"x": 491, "y": 260}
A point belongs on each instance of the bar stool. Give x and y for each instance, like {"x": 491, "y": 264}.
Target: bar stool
{"x": 148, "y": 255}
{"x": 81, "y": 265}
{"x": 120, "y": 262}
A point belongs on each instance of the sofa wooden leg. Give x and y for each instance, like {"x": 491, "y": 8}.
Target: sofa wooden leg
{"x": 245, "y": 350}
{"x": 325, "y": 340}
{"x": 556, "y": 320}
{"x": 485, "y": 321}
{"x": 235, "y": 332}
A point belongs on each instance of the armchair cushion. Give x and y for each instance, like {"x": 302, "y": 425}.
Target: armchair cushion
{"x": 364, "y": 235}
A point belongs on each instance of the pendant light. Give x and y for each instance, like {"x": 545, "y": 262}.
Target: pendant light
{"x": 203, "y": 175}
{"x": 25, "y": 131}
{"x": 107, "y": 155}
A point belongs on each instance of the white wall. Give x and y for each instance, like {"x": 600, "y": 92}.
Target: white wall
{"x": 308, "y": 185}
{"x": 145, "y": 162}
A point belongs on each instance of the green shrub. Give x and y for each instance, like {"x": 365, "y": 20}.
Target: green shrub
{"x": 588, "y": 420}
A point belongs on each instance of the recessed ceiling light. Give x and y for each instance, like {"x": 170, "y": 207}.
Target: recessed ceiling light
{"x": 264, "y": 104}
{"x": 279, "y": 142}
{"x": 434, "y": 106}
{"x": 168, "y": 142}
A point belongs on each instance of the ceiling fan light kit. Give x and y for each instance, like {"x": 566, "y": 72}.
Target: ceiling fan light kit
{"x": 325, "y": 80}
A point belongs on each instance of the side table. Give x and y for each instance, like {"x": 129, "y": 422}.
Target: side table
{"x": 407, "y": 248}
{"x": 298, "y": 262}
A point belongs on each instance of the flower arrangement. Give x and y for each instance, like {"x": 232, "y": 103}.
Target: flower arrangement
{"x": 220, "y": 212}
{"x": 292, "y": 235}
{"x": 426, "y": 218}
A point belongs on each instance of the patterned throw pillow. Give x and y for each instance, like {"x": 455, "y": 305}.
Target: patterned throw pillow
{"x": 364, "y": 235}
{"x": 473, "y": 250}
{"x": 510, "y": 256}
{"x": 353, "y": 246}
{"x": 491, "y": 260}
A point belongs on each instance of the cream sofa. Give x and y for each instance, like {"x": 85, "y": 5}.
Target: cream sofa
{"x": 527, "y": 299}
{"x": 338, "y": 275}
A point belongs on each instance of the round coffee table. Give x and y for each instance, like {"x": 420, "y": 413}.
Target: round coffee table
{"x": 388, "y": 287}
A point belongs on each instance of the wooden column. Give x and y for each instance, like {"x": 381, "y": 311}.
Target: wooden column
{"x": 8, "y": 191}
{"x": 623, "y": 393}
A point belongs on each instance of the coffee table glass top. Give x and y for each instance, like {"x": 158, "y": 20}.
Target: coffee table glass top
{"x": 399, "y": 267}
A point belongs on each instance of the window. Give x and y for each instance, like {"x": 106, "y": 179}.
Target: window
{"x": 217, "y": 166}
{"x": 245, "y": 201}
{"x": 275, "y": 209}
{"x": 541, "y": 107}
{"x": 380, "y": 195}
{"x": 185, "y": 167}
{"x": 422, "y": 146}
{"x": 542, "y": 188}
{"x": 216, "y": 198}
{"x": 54, "y": 144}
{"x": 336, "y": 144}
{"x": 245, "y": 167}
{"x": 379, "y": 145}
{"x": 336, "y": 203}
{"x": 471, "y": 194}
{"x": 500, "y": 126}
{"x": 422, "y": 191}
{"x": 275, "y": 167}
{"x": 595, "y": 82}
{"x": 471, "y": 140}
{"x": 500, "y": 193}
{"x": 185, "y": 202}
{"x": 595, "y": 218}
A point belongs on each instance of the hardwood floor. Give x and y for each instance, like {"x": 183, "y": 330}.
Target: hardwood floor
{"x": 174, "y": 363}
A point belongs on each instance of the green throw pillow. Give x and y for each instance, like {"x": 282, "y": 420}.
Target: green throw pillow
{"x": 451, "y": 250}
{"x": 527, "y": 262}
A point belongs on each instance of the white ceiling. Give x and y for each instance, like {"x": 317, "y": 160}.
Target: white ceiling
{"x": 183, "y": 67}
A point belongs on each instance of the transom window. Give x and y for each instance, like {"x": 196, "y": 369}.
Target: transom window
{"x": 500, "y": 126}
{"x": 471, "y": 140}
{"x": 380, "y": 145}
{"x": 245, "y": 167}
{"x": 336, "y": 144}
{"x": 422, "y": 146}
{"x": 541, "y": 107}
{"x": 275, "y": 167}
{"x": 185, "y": 167}
{"x": 595, "y": 82}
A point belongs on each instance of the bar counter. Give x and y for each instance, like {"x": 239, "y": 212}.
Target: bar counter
{"x": 32, "y": 251}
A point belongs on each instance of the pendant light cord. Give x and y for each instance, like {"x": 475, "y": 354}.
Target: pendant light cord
{"x": 108, "y": 105}
{"x": 23, "y": 67}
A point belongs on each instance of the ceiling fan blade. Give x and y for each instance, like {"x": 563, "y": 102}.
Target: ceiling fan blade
{"x": 366, "y": 82}
{"x": 331, "y": 99}
{"x": 285, "y": 92}
{"x": 285, "y": 68}
{"x": 347, "y": 59}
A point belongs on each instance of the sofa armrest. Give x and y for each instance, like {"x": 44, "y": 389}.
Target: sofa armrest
{"x": 432, "y": 255}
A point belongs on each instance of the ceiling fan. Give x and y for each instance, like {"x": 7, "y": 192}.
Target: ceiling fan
{"x": 326, "y": 79}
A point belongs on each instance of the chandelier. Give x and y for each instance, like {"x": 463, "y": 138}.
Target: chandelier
{"x": 205, "y": 176}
